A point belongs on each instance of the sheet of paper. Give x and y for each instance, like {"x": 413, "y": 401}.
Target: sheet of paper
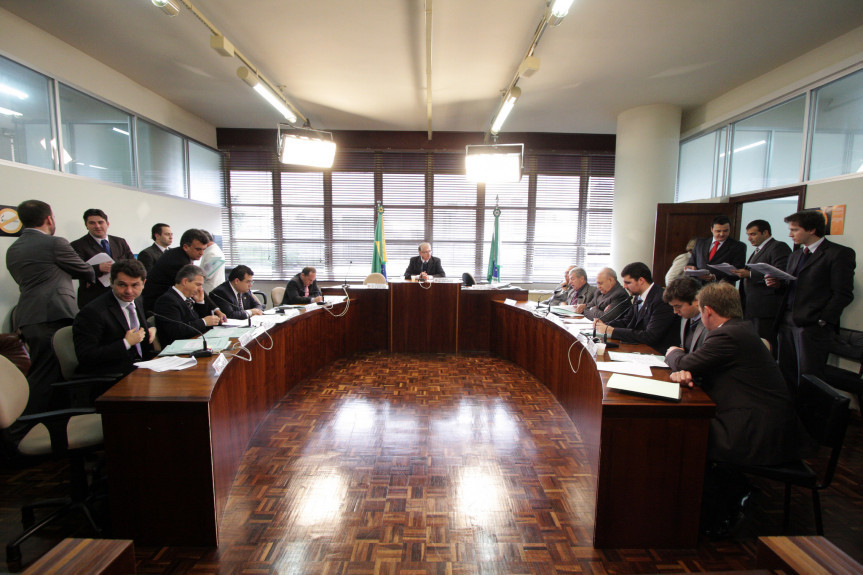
{"x": 235, "y": 322}
{"x": 644, "y": 386}
{"x": 768, "y": 270}
{"x": 642, "y": 358}
{"x": 723, "y": 267}
{"x": 168, "y": 363}
{"x": 625, "y": 367}
{"x": 563, "y": 310}
{"x": 231, "y": 332}
{"x": 99, "y": 258}
{"x": 578, "y": 321}
{"x": 696, "y": 273}
{"x": 186, "y": 346}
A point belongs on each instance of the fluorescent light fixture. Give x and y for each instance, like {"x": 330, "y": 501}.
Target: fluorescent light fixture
{"x": 494, "y": 163}
{"x": 508, "y": 102}
{"x": 306, "y": 147}
{"x": 167, "y": 6}
{"x": 13, "y": 92}
{"x": 276, "y": 102}
{"x": 119, "y": 131}
{"x": 557, "y": 11}
{"x": 8, "y": 112}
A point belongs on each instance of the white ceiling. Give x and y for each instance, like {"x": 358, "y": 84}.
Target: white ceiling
{"x": 360, "y": 65}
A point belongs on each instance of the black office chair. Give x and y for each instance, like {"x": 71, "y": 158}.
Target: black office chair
{"x": 261, "y": 297}
{"x": 467, "y": 279}
{"x": 848, "y": 343}
{"x": 824, "y": 413}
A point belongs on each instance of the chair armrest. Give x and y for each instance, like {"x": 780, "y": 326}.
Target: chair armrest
{"x": 86, "y": 382}
{"x": 56, "y": 422}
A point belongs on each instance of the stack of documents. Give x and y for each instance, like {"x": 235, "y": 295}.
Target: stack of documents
{"x": 187, "y": 346}
{"x": 168, "y": 363}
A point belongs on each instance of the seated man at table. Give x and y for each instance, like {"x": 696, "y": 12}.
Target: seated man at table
{"x": 302, "y": 288}
{"x": 609, "y": 301}
{"x": 177, "y": 314}
{"x": 755, "y": 422}
{"x": 649, "y": 320}
{"x": 579, "y": 290}
{"x": 561, "y": 292}
{"x": 681, "y": 295}
{"x": 110, "y": 333}
{"x": 424, "y": 265}
{"x": 234, "y": 297}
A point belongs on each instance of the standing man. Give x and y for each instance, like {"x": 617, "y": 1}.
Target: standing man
{"x": 110, "y": 333}
{"x": 718, "y": 249}
{"x": 43, "y": 266}
{"x": 162, "y": 238}
{"x": 609, "y": 301}
{"x": 213, "y": 263}
{"x": 302, "y": 288}
{"x": 760, "y": 302}
{"x": 424, "y": 265}
{"x": 97, "y": 241}
{"x": 811, "y": 307}
{"x": 649, "y": 320}
{"x": 164, "y": 272}
{"x": 681, "y": 295}
{"x": 235, "y": 297}
{"x": 177, "y": 315}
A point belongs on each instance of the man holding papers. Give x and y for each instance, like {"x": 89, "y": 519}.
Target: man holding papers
{"x": 718, "y": 249}
{"x": 755, "y": 421}
{"x": 175, "y": 310}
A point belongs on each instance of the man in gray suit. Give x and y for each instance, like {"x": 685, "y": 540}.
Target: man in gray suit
{"x": 761, "y": 303}
{"x": 681, "y": 294}
{"x": 43, "y": 266}
{"x": 609, "y": 301}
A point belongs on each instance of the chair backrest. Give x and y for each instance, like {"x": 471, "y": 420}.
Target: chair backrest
{"x": 64, "y": 349}
{"x": 823, "y": 411}
{"x": 375, "y": 278}
{"x": 848, "y": 343}
{"x": 467, "y": 279}
{"x": 260, "y": 296}
{"x": 278, "y": 294}
{"x": 14, "y": 393}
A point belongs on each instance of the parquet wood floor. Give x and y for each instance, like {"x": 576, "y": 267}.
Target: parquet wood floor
{"x": 436, "y": 464}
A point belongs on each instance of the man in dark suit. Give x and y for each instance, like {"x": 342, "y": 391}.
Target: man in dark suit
{"x": 424, "y": 265}
{"x": 561, "y": 292}
{"x": 43, "y": 265}
{"x": 234, "y": 297}
{"x": 302, "y": 288}
{"x": 755, "y": 421}
{"x": 177, "y": 316}
{"x": 110, "y": 333}
{"x": 681, "y": 295}
{"x": 162, "y": 238}
{"x": 718, "y": 249}
{"x": 609, "y": 301}
{"x": 760, "y": 302}
{"x": 811, "y": 307}
{"x": 649, "y": 320}
{"x": 161, "y": 277}
{"x": 97, "y": 241}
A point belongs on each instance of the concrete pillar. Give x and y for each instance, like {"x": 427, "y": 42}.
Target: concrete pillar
{"x": 648, "y": 145}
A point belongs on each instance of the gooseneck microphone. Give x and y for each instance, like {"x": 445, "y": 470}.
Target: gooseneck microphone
{"x": 205, "y": 351}
{"x": 604, "y": 314}
{"x": 348, "y": 273}
{"x": 218, "y": 297}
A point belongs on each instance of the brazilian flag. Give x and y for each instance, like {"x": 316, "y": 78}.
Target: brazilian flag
{"x": 379, "y": 259}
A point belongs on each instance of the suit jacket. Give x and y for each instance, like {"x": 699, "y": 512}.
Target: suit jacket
{"x": 87, "y": 247}
{"x": 149, "y": 256}
{"x": 415, "y": 267}
{"x": 172, "y": 306}
{"x": 755, "y": 422}
{"x": 584, "y": 295}
{"x": 758, "y": 299}
{"x": 698, "y": 335}
{"x": 223, "y": 296}
{"x": 731, "y": 251}
{"x": 98, "y": 334}
{"x": 654, "y": 325}
{"x": 43, "y": 266}
{"x": 824, "y": 287}
{"x": 677, "y": 267}
{"x": 295, "y": 289}
{"x": 610, "y": 306}
{"x": 161, "y": 278}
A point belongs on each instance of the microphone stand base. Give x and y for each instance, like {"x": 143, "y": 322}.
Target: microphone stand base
{"x": 202, "y": 353}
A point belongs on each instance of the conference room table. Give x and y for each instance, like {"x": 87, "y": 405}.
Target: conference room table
{"x": 174, "y": 440}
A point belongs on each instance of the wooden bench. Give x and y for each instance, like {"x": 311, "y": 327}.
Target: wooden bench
{"x": 805, "y": 556}
{"x": 93, "y": 556}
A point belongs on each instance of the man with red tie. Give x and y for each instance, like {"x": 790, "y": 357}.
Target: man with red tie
{"x": 718, "y": 249}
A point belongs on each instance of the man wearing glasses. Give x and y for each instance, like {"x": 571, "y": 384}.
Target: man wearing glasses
{"x": 424, "y": 265}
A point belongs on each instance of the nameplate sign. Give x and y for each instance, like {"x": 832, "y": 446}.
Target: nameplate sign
{"x": 509, "y": 301}
{"x": 220, "y": 363}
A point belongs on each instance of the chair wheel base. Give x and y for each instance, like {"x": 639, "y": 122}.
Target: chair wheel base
{"x": 13, "y": 554}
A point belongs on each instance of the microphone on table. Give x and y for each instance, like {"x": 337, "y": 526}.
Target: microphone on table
{"x": 204, "y": 351}
{"x": 217, "y": 296}
{"x": 605, "y": 313}
{"x": 350, "y": 263}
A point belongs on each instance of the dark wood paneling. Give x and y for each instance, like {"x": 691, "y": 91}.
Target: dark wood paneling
{"x": 474, "y": 311}
{"x": 424, "y": 317}
{"x": 371, "y": 319}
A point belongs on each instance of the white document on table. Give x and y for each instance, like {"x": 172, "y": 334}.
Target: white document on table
{"x": 642, "y": 358}
{"x": 768, "y": 270}
{"x": 644, "y": 386}
{"x": 624, "y": 367}
{"x": 172, "y": 363}
{"x": 99, "y": 258}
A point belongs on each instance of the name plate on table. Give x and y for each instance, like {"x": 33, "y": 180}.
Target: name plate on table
{"x": 220, "y": 363}
{"x": 509, "y": 301}
{"x": 667, "y": 390}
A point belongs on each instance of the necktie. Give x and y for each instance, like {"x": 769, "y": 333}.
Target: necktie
{"x": 800, "y": 263}
{"x": 425, "y": 267}
{"x": 752, "y": 257}
{"x": 306, "y": 293}
{"x": 713, "y": 250}
{"x": 638, "y": 302}
{"x": 133, "y": 323}
{"x": 688, "y": 332}
{"x": 106, "y": 246}
{"x": 191, "y": 303}
{"x": 240, "y": 301}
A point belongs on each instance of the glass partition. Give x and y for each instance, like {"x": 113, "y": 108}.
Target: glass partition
{"x": 837, "y": 140}
{"x": 26, "y": 134}
{"x": 160, "y": 160}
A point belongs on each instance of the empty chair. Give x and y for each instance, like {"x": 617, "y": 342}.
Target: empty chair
{"x": 278, "y": 295}
{"x": 848, "y": 343}
{"x": 260, "y": 296}
{"x": 375, "y": 278}
{"x": 64, "y": 349}
{"x": 467, "y": 279}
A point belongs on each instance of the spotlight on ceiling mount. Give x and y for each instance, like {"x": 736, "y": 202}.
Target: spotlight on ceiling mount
{"x": 167, "y": 6}
{"x": 275, "y": 101}
{"x": 557, "y": 11}
{"x": 306, "y": 147}
{"x": 505, "y": 108}
{"x": 494, "y": 163}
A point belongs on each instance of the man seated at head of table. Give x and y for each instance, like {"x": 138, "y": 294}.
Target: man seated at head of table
{"x": 681, "y": 294}
{"x": 755, "y": 421}
{"x": 302, "y": 288}
{"x": 234, "y": 296}
{"x": 425, "y": 265}
{"x": 110, "y": 333}
{"x": 179, "y": 311}
{"x": 649, "y": 320}
{"x": 609, "y": 301}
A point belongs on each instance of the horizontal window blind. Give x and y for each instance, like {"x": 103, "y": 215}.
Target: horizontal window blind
{"x": 280, "y": 219}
